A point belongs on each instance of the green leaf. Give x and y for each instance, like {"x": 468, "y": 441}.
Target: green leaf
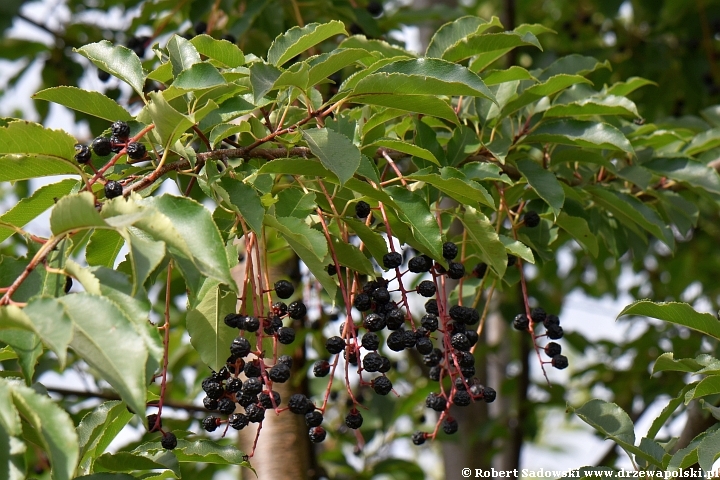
{"x": 53, "y": 425}
{"x": 262, "y": 78}
{"x": 296, "y": 228}
{"x": 28, "y": 348}
{"x": 380, "y": 47}
{"x": 494, "y": 77}
{"x": 195, "y": 225}
{"x": 245, "y": 200}
{"x": 169, "y": 123}
{"x": 453, "y": 32}
{"x": 220, "y": 50}
{"x": 74, "y": 212}
{"x": 324, "y": 65}
{"x": 98, "y": 428}
{"x": 28, "y": 150}
{"x": 208, "y": 333}
{"x": 296, "y": 166}
{"x": 108, "y": 341}
{"x": 424, "y": 76}
{"x": 335, "y": 151}
{"x": 414, "y": 211}
{"x": 484, "y": 237}
{"x": 578, "y": 228}
{"x": 293, "y": 202}
{"x": 118, "y": 61}
{"x": 129, "y": 462}
{"x": 667, "y": 412}
{"x": 678, "y": 313}
{"x": 52, "y": 324}
{"x": 350, "y": 256}
{"x": 198, "y": 77}
{"x": 666, "y": 363}
{"x": 517, "y": 248}
{"x": 144, "y": 256}
{"x": 464, "y": 142}
{"x": 298, "y": 39}
{"x": 685, "y": 170}
{"x": 425, "y": 104}
{"x": 29, "y": 208}
{"x": 707, "y": 386}
{"x": 183, "y": 54}
{"x": 549, "y": 87}
{"x": 709, "y": 450}
{"x": 404, "y": 147}
{"x": 582, "y": 134}
{"x": 612, "y": 421}
{"x": 497, "y": 43}
{"x": 203, "y": 451}
{"x": 573, "y": 65}
{"x": 92, "y": 103}
{"x": 464, "y": 191}
{"x": 623, "y": 89}
{"x": 373, "y": 241}
{"x": 103, "y": 248}
{"x": 544, "y": 183}
{"x": 224, "y": 130}
{"x": 610, "y": 105}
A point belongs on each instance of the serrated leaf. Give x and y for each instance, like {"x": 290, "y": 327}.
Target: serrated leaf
{"x": 489, "y": 42}
{"x": 296, "y": 166}
{"x": 118, "y": 61}
{"x": 109, "y": 342}
{"x": 667, "y": 412}
{"x": 709, "y": 450}
{"x": 610, "y": 105}
{"x": 379, "y": 47}
{"x": 336, "y": 152}
{"x": 222, "y": 51}
{"x": 464, "y": 191}
{"x": 425, "y": 104}
{"x": 494, "y": 77}
{"x": 628, "y": 86}
{"x": 28, "y": 348}
{"x": 183, "y": 54}
{"x": 404, "y": 147}
{"x": 414, "y": 211}
{"x": 484, "y": 237}
{"x": 199, "y": 76}
{"x": 144, "y": 256}
{"x": 204, "y": 451}
{"x": 74, "y": 212}
{"x": 707, "y": 386}
{"x": 293, "y": 202}
{"x": 224, "y": 130}
{"x": 103, "y": 248}
{"x": 29, "y": 208}
{"x": 453, "y": 32}
{"x": 373, "y": 241}
{"x": 298, "y": 39}
{"x": 678, "y": 313}
{"x": 297, "y": 230}
{"x": 28, "y": 150}
{"x": 667, "y": 363}
{"x": 169, "y": 123}
{"x": 685, "y": 170}
{"x": 578, "y": 228}
{"x": 326, "y": 64}
{"x": 549, "y": 87}
{"x": 98, "y": 428}
{"x": 53, "y": 425}
{"x": 130, "y": 462}
{"x": 245, "y": 199}
{"x": 517, "y": 248}
{"x": 350, "y": 256}
{"x": 582, "y": 134}
{"x": 52, "y": 324}
{"x": 92, "y": 103}
{"x": 573, "y": 65}
{"x": 262, "y": 78}
{"x": 544, "y": 182}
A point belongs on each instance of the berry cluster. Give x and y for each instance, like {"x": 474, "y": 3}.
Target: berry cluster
{"x": 553, "y": 331}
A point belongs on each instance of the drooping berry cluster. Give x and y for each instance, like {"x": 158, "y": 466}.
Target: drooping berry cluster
{"x": 553, "y": 331}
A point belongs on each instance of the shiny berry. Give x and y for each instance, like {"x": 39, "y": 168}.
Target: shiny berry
{"x": 353, "y": 419}
{"x": 284, "y": 289}
{"x": 120, "y": 129}
{"x": 335, "y": 344}
{"x": 555, "y": 332}
{"x": 321, "y": 368}
{"x": 362, "y": 302}
{"x": 420, "y": 264}
{"x": 418, "y": 438}
{"x": 255, "y": 413}
{"x": 456, "y": 270}
{"x": 226, "y": 406}
{"x": 370, "y": 341}
{"x": 552, "y": 349}
{"x": 480, "y": 270}
{"x": 317, "y": 434}
{"x": 450, "y": 425}
{"x": 424, "y": 346}
{"x": 238, "y": 421}
{"x": 521, "y": 322}
{"x": 240, "y": 346}
{"x": 286, "y": 335}
{"x": 462, "y": 398}
{"x": 101, "y": 146}
{"x": 392, "y": 260}
{"x": 297, "y": 310}
{"x": 560, "y": 362}
{"x": 136, "y": 150}
{"x": 234, "y": 320}
{"x": 314, "y": 418}
{"x": 449, "y": 251}
{"x": 426, "y": 288}
{"x": 374, "y": 322}
{"x": 299, "y": 404}
{"x": 372, "y": 362}
{"x": 252, "y": 324}
{"x": 382, "y": 385}
{"x": 279, "y": 373}
{"x": 210, "y": 423}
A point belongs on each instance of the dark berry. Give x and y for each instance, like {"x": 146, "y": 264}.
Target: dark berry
{"x": 456, "y": 270}
{"x": 240, "y": 346}
{"x": 436, "y": 402}
{"x": 472, "y": 337}
{"x": 351, "y": 357}
{"x": 538, "y": 315}
{"x": 255, "y": 413}
{"x": 210, "y": 403}
{"x": 467, "y": 372}
{"x": 331, "y": 269}
{"x": 136, "y": 150}
{"x": 555, "y": 332}
{"x": 532, "y": 219}
{"x": 297, "y": 310}
{"x": 551, "y": 320}
{"x": 465, "y": 359}
{"x": 489, "y": 394}
{"x": 382, "y": 385}
{"x": 353, "y": 419}
{"x": 252, "y": 324}
{"x": 552, "y": 349}
{"x": 169, "y": 441}
{"x": 426, "y": 288}
{"x": 480, "y": 270}
{"x": 272, "y": 325}
{"x": 374, "y": 322}
{"x": 433, "y": 358}
{"x": 449, "y": 250}
{"x": 460, "y": 384}
{"x": 511, "y": 260}
{"x": 252, "y": 386}
{"x": 234, "y": 385}
{"x": 121, "y": 130}
{"x": 113, "y": 189}
{"x": 252, "y": 369}
{"x": 374, "y": 8}
{"x": 279, "y": 309}
{"x": 286, "y": 335}
{"x": 101, "y": 146}
{"x": 267, "y": 402}
{"x": 200, "y": 28}
{"x": 317, "y": 434}
{"x": 286, "y": 359}
{"x": 386, "y": 365}
{"x": 210, "y": 423}
{"x": 459, "y": 313}
{"x": 431, "y": 307}
{"x": 418, "y": 438}
{"x": 460, "y": 342}
{"x": 234, "y": 320}
{"x": 434, "y": 373}
{"x": 409, "y": 338}
{"x": 103, "y": 75}
{"x": 245, "y": 400}
{"x": 424, "y": 345}
{"x": 299, "y": 404}
{"x": 314, "y": 418}
{"x": 284, "y": 289}
{"x": 395, "y": 341}
{"x": 450, "y": 425}
{"x": 362, "y": 209}
{"x": 68, "y": 284}
{"x": 559, "y": 362}
{"x": 521, "y": 322}
{"x": 429, "y": 321}
{"x": 335, "y": 345}
{"x": 362, "y": 302}
{"x": 372, "y": 362}
{"x": 321, "y": 368}
{"x": 462, "y": 398}
{"x": 238, "y": 421}
{"x": 395, "y": 319}
{"x": 392, "y": 260}
{"x": 420, "y": 264}
{"x": 213, "y": 390}
{"x": 381, "y": 295}
{"x": 279, "y": 373}
{"x": 226, "y": 406}
{"x": 152, "y": 423}
{"x": 228, "y": 37}
{"x": 116, "y": 144}
{"x": 370, "y": 341}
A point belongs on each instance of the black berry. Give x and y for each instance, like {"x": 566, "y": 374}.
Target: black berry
{"x": 370, "y": 341}
{"x": 252, "y": 324}
{"x": 372, "y": 362}
{"x": 335, "y": 344}
{"x": 103, "y": 75}
{"x": 392, "y": 260}
{"x": 279, "y": 373}
{"x": 560, "y": 362}
{"x": 353, "y": 419}
{"x": 551, "y": 320}
{"x": 317, "y": 434}
{"x": 431, "y": 307}
{"x": 213, "y": 390}
{"x": 210, "y": 423}
{"x": 521, "y": 322}
{"x": 362, "y": 302}
{"x": 136, "y": 150}
{"x": 381, "y": 295}
{"x": 101, "y": 146}
{"x": 240, "y": 346}
{"x": 297, "y": 310}
{"x": 395, "y": 319}
{"x": 424, "y": 346}
{"x": 462, "y": 398}
{"x": 450, "y": 425}
{"x": 456, "y": 270}
{"x": 226, "y": 406}
{"x": 472, "y": 337}
{"x": 555, "y": 332}
{"x": 382, "y": 385}
{"x": 252, "y": 386}
{"x": 420, "y": 264}
{"x": 331, "y": 269}
{"x": 299, "y": 404}
{"x": 233, "y": 385}
{"x": 82, "y": 153}
{"x": 489, "y": 394}
{"x": 234, "y": 320}
{"x": 449, "y": 250}
{"x": 255, "y": 413}
{"x": 426, "y": 288}
{"x": 314, "y": 418}
{"x": 113, "y": 189}
{"x": 267, "y": 402}
{"x": 374, "y": 322}
{"x": 321, "y": 368}
{"x": 433, "y": 358}
{"x": 121, "y": 130}
{"x": 116, "y": 144}
{"x": 436, "y": 402}
{"x": 480, "y": 270}
{"x": 532, "y": 219}
{"x": 552, "y": 349}
{"x": 210, "y": 403}
{"x": 538, "y": 315}
{"x": 429, "y": 321}
{"x": 286, "y": 359}
{"x": 284, "y": 289}
{"x": 396, "y": 341}
{"x": 362, "y": 209}
{"x": 286, "y": 335}
{"x": 511, "y": 260}
{"x": 238, "y": 421}
{"x": 418, "y": 438}
{"x": 153, "y": 423}
{"x": 200, "y": 28}
{"x": 374, "y": 8}
{"x": 169, "y": 441}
